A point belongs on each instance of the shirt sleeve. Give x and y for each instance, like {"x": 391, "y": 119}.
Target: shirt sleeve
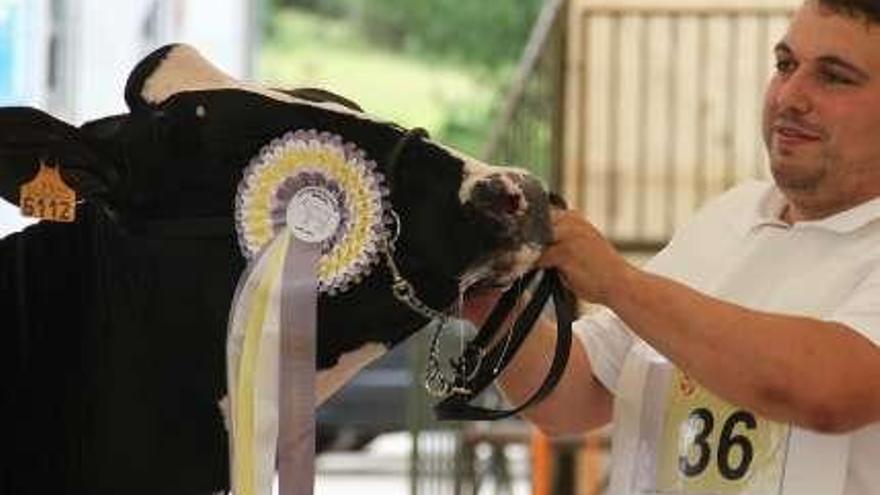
{"x": 607, "y": 341}
{"x": 861, "y": 311}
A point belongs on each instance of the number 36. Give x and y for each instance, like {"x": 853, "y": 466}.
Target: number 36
{"x": 726, "y": 443}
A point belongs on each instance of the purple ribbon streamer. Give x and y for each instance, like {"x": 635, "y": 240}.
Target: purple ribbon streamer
{"x": 297, "y": 376}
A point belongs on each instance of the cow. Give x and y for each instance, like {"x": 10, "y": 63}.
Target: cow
{"x": 114, "y": 324}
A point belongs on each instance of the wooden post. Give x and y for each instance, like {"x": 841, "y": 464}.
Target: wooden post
{"x": 542, "y": 464}
{"x": 590, "y": 465}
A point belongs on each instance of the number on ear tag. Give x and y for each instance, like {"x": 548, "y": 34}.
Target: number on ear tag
{"x": 46, "y": 196}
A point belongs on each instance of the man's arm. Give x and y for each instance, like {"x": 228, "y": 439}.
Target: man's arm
{"x": 578, "y": 403}
{"x": 817, "y": 374}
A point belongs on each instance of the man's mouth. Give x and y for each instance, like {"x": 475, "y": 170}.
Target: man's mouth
{"x": 792, "y": 134}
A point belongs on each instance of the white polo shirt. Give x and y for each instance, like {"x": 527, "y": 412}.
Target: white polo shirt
{"x": 671, "y": 436}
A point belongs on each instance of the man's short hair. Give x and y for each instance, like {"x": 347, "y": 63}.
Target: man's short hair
{"x": 867, "y": 10}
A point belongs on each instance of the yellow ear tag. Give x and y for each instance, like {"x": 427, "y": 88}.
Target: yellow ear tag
{"x": 46, "y": 196}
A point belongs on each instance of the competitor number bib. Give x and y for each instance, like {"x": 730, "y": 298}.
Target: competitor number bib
{"x": 702, "y": 445}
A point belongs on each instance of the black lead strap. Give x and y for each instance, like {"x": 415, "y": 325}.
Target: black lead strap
{"x": 457, "y": 407}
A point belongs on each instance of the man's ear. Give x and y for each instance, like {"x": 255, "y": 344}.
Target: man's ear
{"x": 29, "y": 137}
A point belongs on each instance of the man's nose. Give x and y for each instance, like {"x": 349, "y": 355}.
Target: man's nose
{"x": 793, "y": 94}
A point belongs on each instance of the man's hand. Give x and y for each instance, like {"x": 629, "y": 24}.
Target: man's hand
{"x": 589, "y": 264}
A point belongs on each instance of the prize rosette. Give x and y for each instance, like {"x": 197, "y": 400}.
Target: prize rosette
{"x": 311, "y": 214}
{"x": 339, "y": 192}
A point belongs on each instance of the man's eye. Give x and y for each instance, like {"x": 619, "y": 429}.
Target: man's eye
{"x": 785, "y": 66}
{"x": 830, "y": 77}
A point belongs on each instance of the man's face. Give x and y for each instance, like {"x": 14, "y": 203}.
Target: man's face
{"x": 822, "y": 113}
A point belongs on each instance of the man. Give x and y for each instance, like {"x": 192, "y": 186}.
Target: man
{"x": 744, "y": 358}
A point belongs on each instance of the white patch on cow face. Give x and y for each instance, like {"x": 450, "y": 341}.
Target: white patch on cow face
{"x": 331, "y": 380}
{"x": 521, "y": 260}
{"x": 503, "y": 269}
{"x": 474, "y": 172}
{"x": 183, "y": 69}
{"x": 473, "y": 275}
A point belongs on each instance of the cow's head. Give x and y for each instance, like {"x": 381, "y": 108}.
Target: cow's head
{"x": 180, "y": 153}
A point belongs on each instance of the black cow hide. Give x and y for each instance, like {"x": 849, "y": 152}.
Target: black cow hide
{"x": 114, "y": 326}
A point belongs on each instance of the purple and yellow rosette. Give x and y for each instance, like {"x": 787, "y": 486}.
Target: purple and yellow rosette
{"x": 311, "y": 159}
{"x": 311, "y": 213}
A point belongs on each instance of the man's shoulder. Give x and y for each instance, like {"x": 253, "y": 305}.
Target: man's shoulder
{"x": 745, "y": 194}
{"x": 738, "y": 206}
{"x": 716, "y": 228}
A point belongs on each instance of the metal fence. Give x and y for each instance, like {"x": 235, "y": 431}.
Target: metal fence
{"x": 528, "y": 131}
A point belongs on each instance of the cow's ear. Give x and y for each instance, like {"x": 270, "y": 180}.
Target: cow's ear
{"x": 29, "y": 137}
{"x": 172, "y": 70}
{"x": 137, "y": 93}
{"x": 322, "y": 96}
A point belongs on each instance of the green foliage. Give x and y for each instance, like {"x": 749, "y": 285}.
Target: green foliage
{"x": 488, "y": 34}
{"x": 453, "y": 103}
{"x": 467, "y": 126}
{"x": 438, "y": 64}
{"x": 323, "y": 7}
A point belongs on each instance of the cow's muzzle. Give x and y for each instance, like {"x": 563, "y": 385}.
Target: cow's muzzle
{"x": 516, "y": 204}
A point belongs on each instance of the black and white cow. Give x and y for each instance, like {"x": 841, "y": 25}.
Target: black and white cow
{"x": 113, "y": 326}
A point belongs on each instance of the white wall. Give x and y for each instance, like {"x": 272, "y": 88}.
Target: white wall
{"x": 112, "y": 37}
{"x": 24, "y": 23}
{"x": 10, "y": 220}
{"x": 217, "y": 28}
{"x": 100, "y": 41}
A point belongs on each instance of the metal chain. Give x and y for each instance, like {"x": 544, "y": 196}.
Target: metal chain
{"x": 402, "y": 289}
{"x": 436, "y": 382}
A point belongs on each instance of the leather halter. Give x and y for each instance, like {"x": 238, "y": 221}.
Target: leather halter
{"x": 471, "y": 371}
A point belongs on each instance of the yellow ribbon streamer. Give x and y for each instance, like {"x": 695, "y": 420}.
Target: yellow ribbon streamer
{"x": 257, "y": 304}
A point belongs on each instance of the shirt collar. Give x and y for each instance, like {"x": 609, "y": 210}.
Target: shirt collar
{"x": 771, "y": 204}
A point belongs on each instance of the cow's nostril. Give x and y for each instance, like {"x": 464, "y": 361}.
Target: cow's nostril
{"x": 508, "y": 203}
{"x": 499, "y": 196}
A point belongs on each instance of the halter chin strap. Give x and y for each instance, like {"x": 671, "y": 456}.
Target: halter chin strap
{"x": 473, "y": 370}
